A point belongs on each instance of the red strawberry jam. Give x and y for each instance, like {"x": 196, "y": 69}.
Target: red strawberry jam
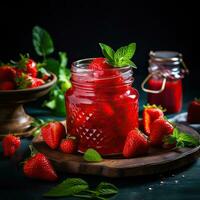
{"x": 102, "y": 107}
{"x": 170, "y": 98}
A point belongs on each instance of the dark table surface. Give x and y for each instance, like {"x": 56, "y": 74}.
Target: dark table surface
{"x": 182, "y": 184}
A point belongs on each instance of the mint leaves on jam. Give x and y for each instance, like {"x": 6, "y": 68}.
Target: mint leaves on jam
{"x": 122, "y": 57}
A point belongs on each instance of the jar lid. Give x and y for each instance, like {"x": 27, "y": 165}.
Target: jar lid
{"x": 165, "y": 56}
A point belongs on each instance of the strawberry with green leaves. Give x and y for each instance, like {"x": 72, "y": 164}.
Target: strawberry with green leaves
{"x": 136, "y": 144}
{"x": 10, "y": 145}
{"x": 194, "y": 111}
{"x": 53, "y": 133}
{"x": 160, "y": 128}
{"x": 7, "y": 73}
{"x": 150, "y": 114}
{"x": 39, "y": 167}
{"x": 27, "y": 66}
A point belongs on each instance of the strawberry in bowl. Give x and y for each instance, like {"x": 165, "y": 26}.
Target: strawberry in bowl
{"x": 21, "y": 82}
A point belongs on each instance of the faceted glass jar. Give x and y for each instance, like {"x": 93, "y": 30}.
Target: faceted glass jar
{"x": 102, "y": 107}
{"x": 166, "y": 79}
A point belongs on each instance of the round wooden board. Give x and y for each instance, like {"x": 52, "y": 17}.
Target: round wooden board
{"x": 157, "y": 161}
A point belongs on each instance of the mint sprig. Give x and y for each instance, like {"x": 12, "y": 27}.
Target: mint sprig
{"x": 91, "y": 155}
{"x": 122, "y": 57}
{"x": 182, "y": 139}
{"x": 76, "y": 187}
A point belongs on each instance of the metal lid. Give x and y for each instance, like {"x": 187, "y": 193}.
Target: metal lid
{"x": 165, "y": 56}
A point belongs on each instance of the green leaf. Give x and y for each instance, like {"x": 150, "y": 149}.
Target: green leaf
{"x": 52, "y": 65}
{"x": 123, "y": 62}
{"x": 106, "y": 189}
{"x": 42, "y": 41}
{"x": 69, "y": 187}
{"x": 92, "y": 155}
{"x": 50, "y": 104}
{"x": 107, "y": 51}
{"x": 125, "y": 52}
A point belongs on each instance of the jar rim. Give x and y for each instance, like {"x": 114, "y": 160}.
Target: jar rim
{"x": 81, "y": 64}
{"x": 165, "y": 56}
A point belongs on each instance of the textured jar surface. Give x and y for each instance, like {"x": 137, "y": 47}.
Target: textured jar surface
{"x": 102, "y": 107}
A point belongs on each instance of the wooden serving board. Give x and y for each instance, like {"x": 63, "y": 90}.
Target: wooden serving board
{"x": 157, "y": 161}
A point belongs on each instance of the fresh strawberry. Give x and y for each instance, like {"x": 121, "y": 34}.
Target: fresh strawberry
{"x": 99, "y": 64}
{"x": 27, "y": 65}
{"x": 25, "y": 81}
{"x": 160, "y": 128}
{"x": 194, "y": 111}
{"x": 68, "y": 145}
{"x": 150, "y": 114}
{"x": 7, "y": 73}
{"x": 53, "y": 133}
{"x": 10, "y": 145}
{"x": 31, "y": 68}
{"x": 7, "y": 85}
{"x": 136, "y": 144}
{"x": 39, "y": 167}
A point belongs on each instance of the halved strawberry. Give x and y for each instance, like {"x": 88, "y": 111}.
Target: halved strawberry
{"x": 150, "y": 114}
{"x": 99, "y": 64}
{"x": 53, "y": 133}
{"x": 160, "y": 128}
{"x": 136, "y": 144}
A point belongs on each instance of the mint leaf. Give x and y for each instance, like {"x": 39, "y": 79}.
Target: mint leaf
{"x": 107, "y": 51}
{"x": 187, "y": 140}
{"x": 106, "y": 189}
{"x": 123, "y": 62}
{"x": 42, "y": 41}
{"x": 69, "y": 187}
{"x": 52, "y": 65}
{"x": 92, "y": 155}
{"x": 125, "y": 52}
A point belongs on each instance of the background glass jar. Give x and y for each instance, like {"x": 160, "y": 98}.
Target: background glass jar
{"x": 102, "y": 107}
{"x": 165, "y": 80}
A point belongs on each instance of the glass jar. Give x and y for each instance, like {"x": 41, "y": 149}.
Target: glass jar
{"x": 165, "y": 80}
{"x": 102, "y": 107}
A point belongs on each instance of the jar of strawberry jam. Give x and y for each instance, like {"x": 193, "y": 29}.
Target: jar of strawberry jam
{"x": 165, "y": 80}
{"x": 102, "y": 106}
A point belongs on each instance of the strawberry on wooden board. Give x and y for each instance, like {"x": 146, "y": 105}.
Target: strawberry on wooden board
{"x": 53, "y": 133}
{"x": 7, "y": 73}
{"x": 7, "y": 85}
{"x": 194, "y": 111}
{"x": 68, "y": 145}
{"x": 160, "y": 128}
{"x": 39, "y": 167}
{"x": 136, "y": 144}
{"x": 150, "y": 114}
{"x": 10, "y": 145}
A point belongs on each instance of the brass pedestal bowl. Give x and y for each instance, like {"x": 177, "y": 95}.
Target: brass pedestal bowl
{"x": 13, "y": 118}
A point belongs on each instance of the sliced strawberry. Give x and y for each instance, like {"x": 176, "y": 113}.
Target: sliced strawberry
{"x": 7, "y": 85}
{"x": 10, "y": 145}
{"x": 39, "y": 167}
{"x": 7, "y": 73}
{"x": 159, "y": 129}
{"x": 136, "y": 144}
{"x": 150, "y": 114}
{"x": 31, "y": 68}
{"x": 99, "y": 64}
{"x": 53, "y": 133}
{"x": 194, "y": 111}
{"x": 36, "y": 82}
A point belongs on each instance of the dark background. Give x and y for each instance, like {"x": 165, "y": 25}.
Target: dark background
{"x": 78, "y": 26}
